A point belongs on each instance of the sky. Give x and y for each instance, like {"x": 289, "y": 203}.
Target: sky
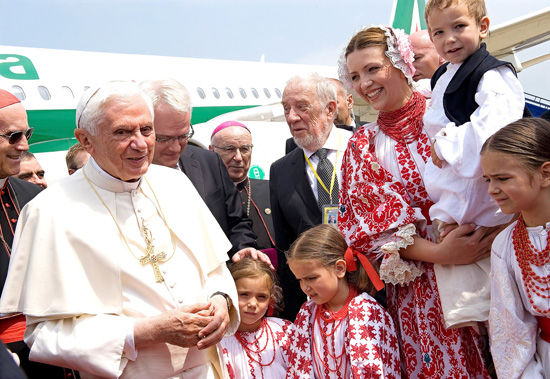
{"x": 284, "y": 31}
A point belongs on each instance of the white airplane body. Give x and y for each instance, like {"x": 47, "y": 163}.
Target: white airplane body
{"x": 50, "y": 82}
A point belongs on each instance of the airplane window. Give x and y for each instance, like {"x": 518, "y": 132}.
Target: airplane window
{"x": 278, "y": 93}
{"x": 67, "y": 92}
{"x": 267, "y": 93}
{"x": 201, "y": 93}
{"x": 18, "y": 92}
{"x": 243, "y": 93}
{"x": 229, "y": 93}
{"x": 215, "y": 93}
{"x": 255, "y": 93}
{"x": 44, "y": 93}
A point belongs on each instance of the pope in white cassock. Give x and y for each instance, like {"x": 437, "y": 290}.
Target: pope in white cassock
{"x": 120, "y": 268}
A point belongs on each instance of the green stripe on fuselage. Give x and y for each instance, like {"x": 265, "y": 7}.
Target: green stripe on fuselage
{"x": 54, "y": 129}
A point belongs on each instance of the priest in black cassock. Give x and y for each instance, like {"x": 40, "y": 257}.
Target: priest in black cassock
{"x": 233, "y": 142}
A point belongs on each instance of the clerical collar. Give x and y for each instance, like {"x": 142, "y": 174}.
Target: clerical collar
{"x": 3, "y": 182}
{"x": 332, "y": 142}
{"x": 241, "y": 185}
{"x": 105, "y": 181}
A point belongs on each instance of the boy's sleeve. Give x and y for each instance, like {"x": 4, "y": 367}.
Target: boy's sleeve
{"x": 501, "y": 100}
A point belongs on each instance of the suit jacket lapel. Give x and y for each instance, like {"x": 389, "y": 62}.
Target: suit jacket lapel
{"x": 301, "y": 181}
{"x": 192, "y": 168}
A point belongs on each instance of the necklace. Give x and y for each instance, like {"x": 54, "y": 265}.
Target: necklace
{"x": 528, "y": 256}
{"x": 405, "y": 124}
{"x": 253, "y": 349}
{"x": 150, "y": 256}
{"x": 328, "y": 337}
{"x": 248, "y": 189}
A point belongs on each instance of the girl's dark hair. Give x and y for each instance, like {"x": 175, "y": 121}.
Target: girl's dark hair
{"x": 527, "y": 139}
{"x": 324, "y": 243}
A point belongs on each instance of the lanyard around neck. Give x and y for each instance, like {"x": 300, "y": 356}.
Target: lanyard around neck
{"x": 333, "y": 171}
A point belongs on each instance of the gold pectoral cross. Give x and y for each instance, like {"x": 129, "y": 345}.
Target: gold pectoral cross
{"x": 151, "y": 257}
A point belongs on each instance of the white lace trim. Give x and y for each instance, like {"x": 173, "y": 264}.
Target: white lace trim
{"x": 393, "y": 269}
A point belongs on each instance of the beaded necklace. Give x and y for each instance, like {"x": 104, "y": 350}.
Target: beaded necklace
{"x": 253, "y": 349}
{"x": 528, "y": 256}
{"x": 405, "y": 124}
{"x": 328, "y": 338}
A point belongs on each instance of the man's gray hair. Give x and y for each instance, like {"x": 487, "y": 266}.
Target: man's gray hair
{"x": 169, "y": 92}
{"x": 90, "y": 108}
{"x": 325, "y": 91}
{"x": 340, "y": 87}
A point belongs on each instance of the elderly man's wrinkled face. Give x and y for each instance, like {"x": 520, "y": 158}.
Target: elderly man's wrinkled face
{"x": 31, "y": 171}
{"x": 170, "y": 129}
{"x": 234, "y": 145}
{"x": 309, "y": 121}
{"x": 13, "y": 118}
{"x": 125, "y": 141}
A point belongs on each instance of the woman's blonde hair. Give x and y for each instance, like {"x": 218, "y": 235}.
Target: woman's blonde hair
{"x": 372, "y": 36}
{"x": 325, "y": 244}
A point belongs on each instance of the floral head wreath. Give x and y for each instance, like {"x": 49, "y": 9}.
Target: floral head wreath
{"x": 399, "y": 52}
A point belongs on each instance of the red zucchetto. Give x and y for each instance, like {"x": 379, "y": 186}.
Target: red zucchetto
{"x": 6, "y": 99}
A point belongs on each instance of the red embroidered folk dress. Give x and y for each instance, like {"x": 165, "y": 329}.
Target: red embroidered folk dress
{"x": 366, "y": 337}
{"x": 382, "y": 206}
{"x": 266, "y": 352}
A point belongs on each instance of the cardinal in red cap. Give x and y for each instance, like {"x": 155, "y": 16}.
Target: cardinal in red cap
{"x": 15, "y": 193}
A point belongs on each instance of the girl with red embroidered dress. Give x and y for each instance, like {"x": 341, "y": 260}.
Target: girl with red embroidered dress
{"x": 384, "y": 207}
{"x": 259, "y": 349}
{"x": 342, "y": 332}
{"x": 516, "y": 163}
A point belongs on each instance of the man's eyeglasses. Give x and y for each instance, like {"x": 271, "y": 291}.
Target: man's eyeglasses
{"x": 244, "y": 149}
{"x": 14, "y": 137}
{"x": 181, "y": 138}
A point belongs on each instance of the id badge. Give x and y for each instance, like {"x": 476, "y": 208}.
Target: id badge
{"x": 330, "y": 214}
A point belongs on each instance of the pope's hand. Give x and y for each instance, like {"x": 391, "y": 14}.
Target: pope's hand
{"x": 215, "y": 330}
{"x": 180, "y": 326}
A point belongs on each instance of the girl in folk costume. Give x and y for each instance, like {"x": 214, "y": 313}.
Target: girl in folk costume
{"x": 516, "y": 163}
{"x": 259, "y": 349}
{"x": 384, "y": 207}
{"x": 342, "y": 332}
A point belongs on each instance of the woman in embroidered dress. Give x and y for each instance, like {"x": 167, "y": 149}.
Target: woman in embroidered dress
{"x": 259, "y": 349}
{"x": 384, "y": 207}
{"x": 342, "y": 332}
{"x": 516, "y": 163}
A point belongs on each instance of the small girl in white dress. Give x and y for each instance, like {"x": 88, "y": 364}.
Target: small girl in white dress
{"x": 342, "y": 332}
{"x": 516, "y": 164}
{"x": 259, "y": 349}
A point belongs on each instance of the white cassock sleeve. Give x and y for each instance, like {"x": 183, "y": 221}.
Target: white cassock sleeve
{"x": 93, "y": 344}
{"x": 502, "y": 101}
{"x": 512, "y": 329}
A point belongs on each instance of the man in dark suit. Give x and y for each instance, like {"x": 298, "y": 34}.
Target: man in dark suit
{"x": 233, "y": 142}
{"x": 15, "y": 193}
{"x": 310, "y": 105}
{"x": 205, "y": 169}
